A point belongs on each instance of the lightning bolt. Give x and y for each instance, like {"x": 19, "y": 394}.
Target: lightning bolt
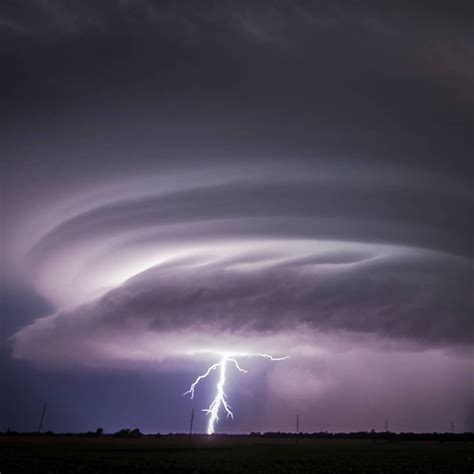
{"x": 220, "y": 400}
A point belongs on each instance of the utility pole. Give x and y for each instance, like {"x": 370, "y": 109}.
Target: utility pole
{"x": 452, "y": 427}
{"x": 191, "y": 423}
{"x": 42, "y": 417}
{"x": 386, "y": 425}
{"x": 297, "y": 427}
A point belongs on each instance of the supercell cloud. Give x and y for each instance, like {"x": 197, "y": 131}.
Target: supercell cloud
{"x": 288, "y": 177}
{"x": 238, "y": 261}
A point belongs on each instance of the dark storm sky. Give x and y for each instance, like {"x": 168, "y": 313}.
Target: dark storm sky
{"x": 182, "y": 178}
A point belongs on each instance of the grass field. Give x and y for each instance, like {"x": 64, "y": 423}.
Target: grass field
{"x": 171, "y": 454}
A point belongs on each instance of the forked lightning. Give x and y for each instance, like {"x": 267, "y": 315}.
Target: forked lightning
{"x": 220, "y": 398}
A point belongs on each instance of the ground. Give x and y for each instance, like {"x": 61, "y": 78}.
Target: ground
{"x": 173, "y": 454}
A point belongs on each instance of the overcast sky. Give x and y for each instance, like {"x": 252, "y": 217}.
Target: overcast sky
{"x": 188, "y": 178}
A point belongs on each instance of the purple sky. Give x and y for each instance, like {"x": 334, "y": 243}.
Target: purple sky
{"x": 277, "y": 178}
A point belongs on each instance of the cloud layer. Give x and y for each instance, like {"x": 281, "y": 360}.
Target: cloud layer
{"x": 247, "y": 260}
{"x": 285, "y": 176}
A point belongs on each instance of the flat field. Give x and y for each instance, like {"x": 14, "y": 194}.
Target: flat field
{"x": 202, "y": 454}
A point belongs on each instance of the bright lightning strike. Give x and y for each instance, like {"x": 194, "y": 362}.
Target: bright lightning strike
{"x": 220, "y": 400}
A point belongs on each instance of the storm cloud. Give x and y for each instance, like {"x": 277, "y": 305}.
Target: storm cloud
{"x": 400, "y": 296}
{"x": 288, "y": 177}
{"x": 249, "y": 258}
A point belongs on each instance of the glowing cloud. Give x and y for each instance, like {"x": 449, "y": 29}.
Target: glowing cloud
{"x": 144, "y": 271}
